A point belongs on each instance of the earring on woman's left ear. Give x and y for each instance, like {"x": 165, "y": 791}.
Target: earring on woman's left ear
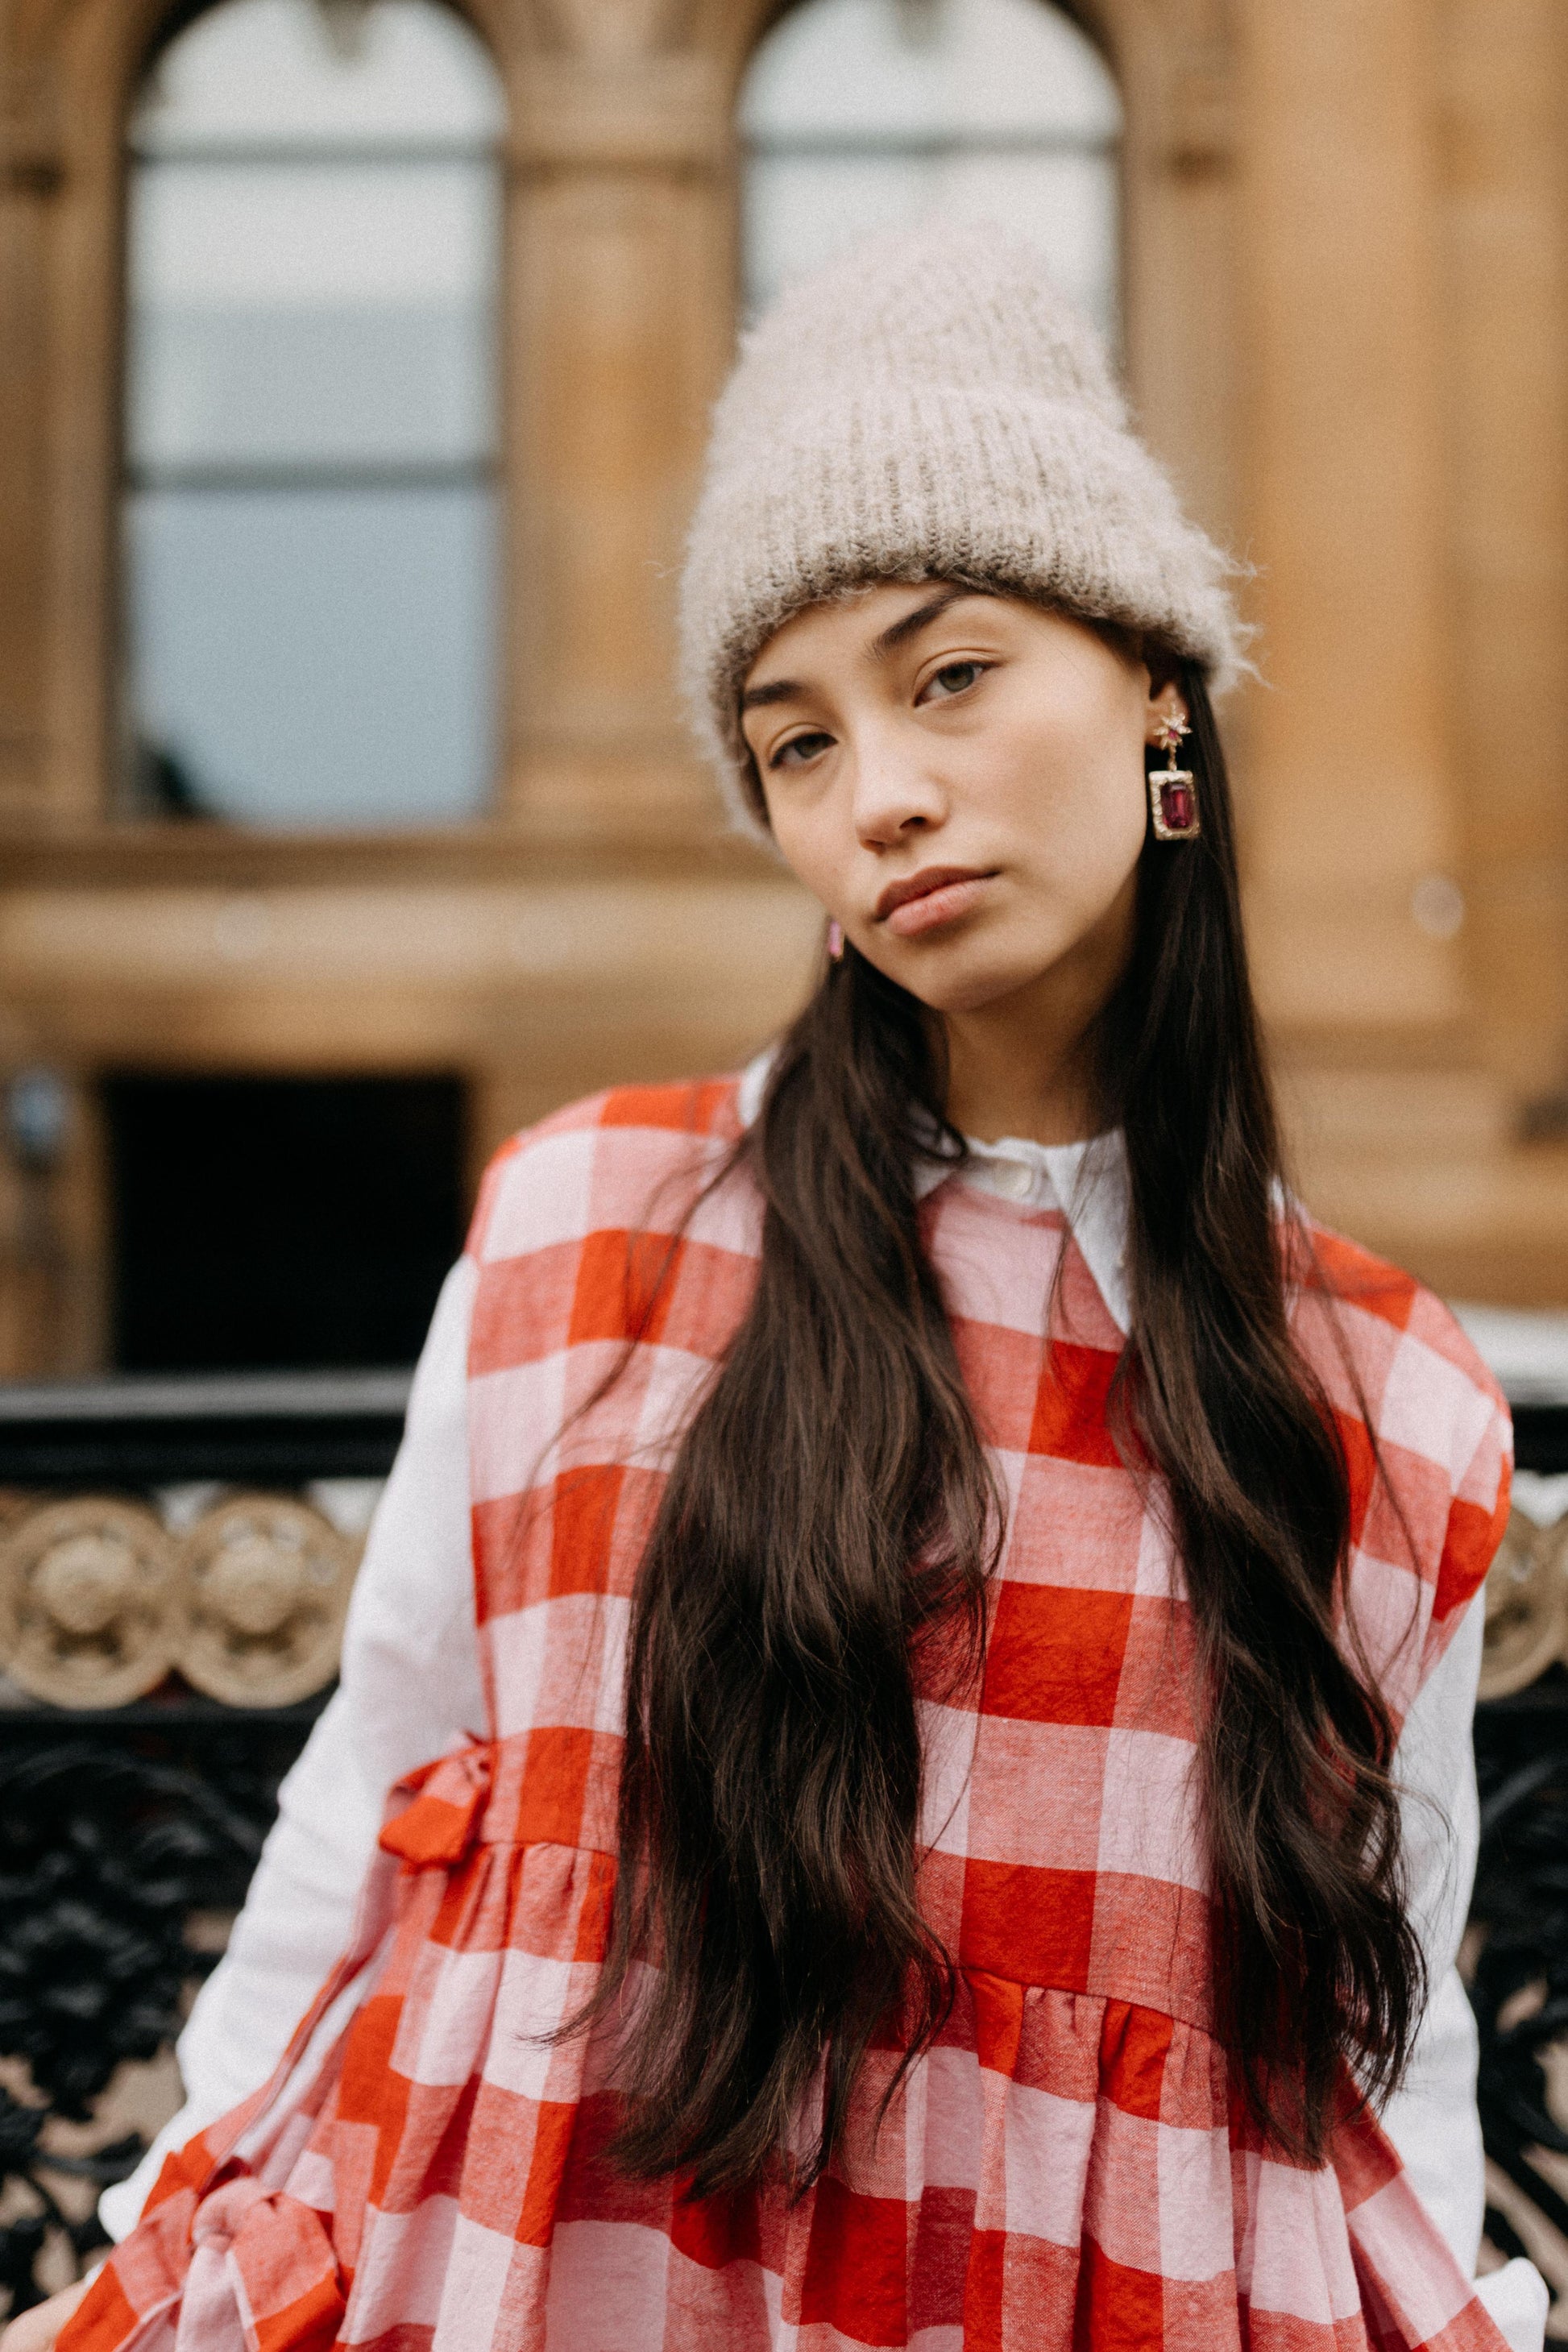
{"x": 836, "y": 941}
{"x": 1172, "y": 790}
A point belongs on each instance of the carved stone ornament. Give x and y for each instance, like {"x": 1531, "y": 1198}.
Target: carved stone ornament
{"x": 1527, "y": 1606}
{"x": 266, "y": 1585}
{"x": 88, "y": 1603}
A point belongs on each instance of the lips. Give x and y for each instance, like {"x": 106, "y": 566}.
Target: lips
{"x": 921, "y": 885}
{"x": 930, "y": 899}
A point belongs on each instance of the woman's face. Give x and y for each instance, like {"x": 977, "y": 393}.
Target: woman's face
{"x": 959, "y": 779}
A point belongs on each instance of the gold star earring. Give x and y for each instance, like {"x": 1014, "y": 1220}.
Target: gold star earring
{"x": 1172, "y": 790}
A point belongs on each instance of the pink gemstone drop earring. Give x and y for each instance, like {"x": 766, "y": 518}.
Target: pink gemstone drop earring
{"x": 1172, "y": 790}
{"x": 836, "y": 941}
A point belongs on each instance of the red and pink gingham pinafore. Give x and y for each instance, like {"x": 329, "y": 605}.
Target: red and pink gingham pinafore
{"x": 1068, "y": 2167}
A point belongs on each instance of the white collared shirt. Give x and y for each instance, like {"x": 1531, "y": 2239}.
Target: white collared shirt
{"x": 410, "y": 1690}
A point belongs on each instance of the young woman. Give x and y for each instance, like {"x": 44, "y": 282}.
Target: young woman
{"x": 951, "y": 1607}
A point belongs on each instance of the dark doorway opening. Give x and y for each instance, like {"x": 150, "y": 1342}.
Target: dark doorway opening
{"x": 280, "y": 1223}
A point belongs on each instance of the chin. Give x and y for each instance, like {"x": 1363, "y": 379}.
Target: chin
{"x": 955, "y": 982}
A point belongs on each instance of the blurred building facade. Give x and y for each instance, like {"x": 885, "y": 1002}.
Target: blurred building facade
{"x": 354, "y": 364}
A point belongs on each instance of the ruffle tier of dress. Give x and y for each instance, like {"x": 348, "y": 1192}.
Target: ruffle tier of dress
{"x": 1063, "y": 2172}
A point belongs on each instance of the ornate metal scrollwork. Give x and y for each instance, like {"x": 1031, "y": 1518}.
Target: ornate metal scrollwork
{"x": 1519, "y": 1988}
{"x": 108, "y": 1845}
{"x": 1518, "y": 1936}
{"x": 128, "y": 1825}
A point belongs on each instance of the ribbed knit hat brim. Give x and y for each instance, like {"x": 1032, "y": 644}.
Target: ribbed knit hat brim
{"x": 929, "y": 407}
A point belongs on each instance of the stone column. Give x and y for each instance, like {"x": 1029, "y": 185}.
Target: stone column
{"x": 621, "y": 269}
{"x": 1505, "y": 329}
{"x": 1351, "y": 830}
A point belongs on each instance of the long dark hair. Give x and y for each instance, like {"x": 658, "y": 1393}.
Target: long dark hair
{"x": 826, "y": 1535}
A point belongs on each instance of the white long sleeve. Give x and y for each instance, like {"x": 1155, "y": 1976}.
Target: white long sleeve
{"x": 1432, "y": 2118}
{"x": 409, "y": 1690}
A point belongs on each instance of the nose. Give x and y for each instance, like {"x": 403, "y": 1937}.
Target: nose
{"x": 895, "y": 792}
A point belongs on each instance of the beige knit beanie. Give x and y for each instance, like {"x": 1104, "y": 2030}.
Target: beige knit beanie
{"x": 928, "y": 407}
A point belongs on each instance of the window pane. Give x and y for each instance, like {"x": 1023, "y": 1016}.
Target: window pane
{"x": 311, "y": 427}
{"x": 315, "y": 657}
{"x": 327, "y": 312}
{"x": 341, "y": 73}
{"x": 859, "y": 114}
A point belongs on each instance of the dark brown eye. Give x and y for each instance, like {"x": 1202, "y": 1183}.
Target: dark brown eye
{"x": 798, "y": 749}
{"x": 954, "y": 678}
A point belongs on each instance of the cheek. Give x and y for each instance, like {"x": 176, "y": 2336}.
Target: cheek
{"x": 1081, "y": 805}
{"x": 1118, "y": 827}
{"x": 809, "y": 841}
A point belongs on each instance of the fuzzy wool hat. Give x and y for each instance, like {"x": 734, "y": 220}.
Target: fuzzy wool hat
{"x": 929, "y": 406}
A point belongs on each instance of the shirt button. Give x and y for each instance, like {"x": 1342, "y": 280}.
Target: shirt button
{"x": 1016, "y": 1180}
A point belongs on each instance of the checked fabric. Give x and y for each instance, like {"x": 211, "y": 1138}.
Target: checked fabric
{"x": 1068, "y": 2169}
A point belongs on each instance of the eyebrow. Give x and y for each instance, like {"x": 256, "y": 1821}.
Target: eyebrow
{"x": 913, "y": 623}
{"x": 781, "y": 690}
{"x": 785, "y": 689}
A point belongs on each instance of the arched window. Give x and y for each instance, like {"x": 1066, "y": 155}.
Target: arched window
{"x": 857, "y": 114}
{"x": 311, "y": 417}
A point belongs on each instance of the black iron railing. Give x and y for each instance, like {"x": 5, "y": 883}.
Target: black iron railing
{"x": 155, "y": 1535}
{"x": 163, "y": 1533}
{"x": 1519, "y": 1935}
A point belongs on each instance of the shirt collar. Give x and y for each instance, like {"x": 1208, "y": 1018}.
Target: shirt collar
{"x": 1087, "y": 1181}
